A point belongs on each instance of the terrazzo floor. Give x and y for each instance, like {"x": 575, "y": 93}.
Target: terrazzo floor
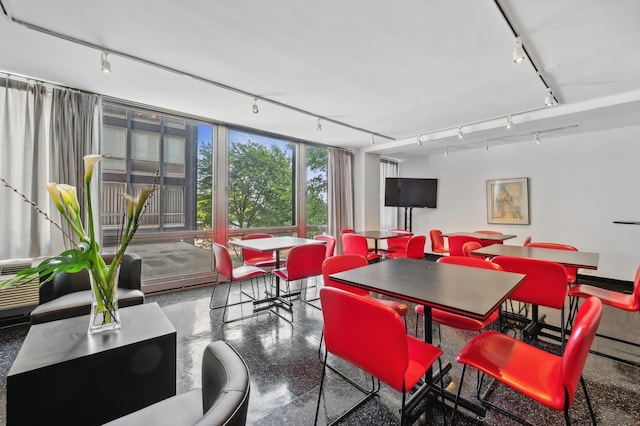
{"x": 285, "y": 369}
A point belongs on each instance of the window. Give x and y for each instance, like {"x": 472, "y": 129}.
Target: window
{"x": 316, "y": 190}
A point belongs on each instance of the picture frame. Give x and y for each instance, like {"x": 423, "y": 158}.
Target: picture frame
{"x": 508, "y": 201}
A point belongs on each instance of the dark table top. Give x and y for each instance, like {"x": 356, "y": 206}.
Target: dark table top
{"x": 495, "y": 237}
{"x": 470, "y": 291}
{"x": 381, "y": 235}
{"x": 577, "y": 259}
{"x": 275, "y": 243}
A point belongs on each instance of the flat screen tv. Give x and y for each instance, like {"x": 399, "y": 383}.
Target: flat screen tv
{"x": 411, "y": 192}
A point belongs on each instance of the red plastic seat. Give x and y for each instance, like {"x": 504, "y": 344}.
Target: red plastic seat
{"x": 303, "y": 262}
{"x": 547, "y": 378}
{"x": 398, "y": 244}
{"x": 572, "y": 272}
{"x": 437, "y": 242}
{"x": 414, "y": 249}
{"x": 224, "y": 267}
{"x": 371, "y": 337}
{"x": 330, "y": 245}
{"x": 488, "y": 242}
{"x": 545, "y": 284}
{"x": 347, "y": 231}
{"x": 257, "y": 258}
{"x": 457, "y": 241}
{"x": 357, "y": 244}
{"x": 455, "y": 320}
{"x": 470, "y": 246}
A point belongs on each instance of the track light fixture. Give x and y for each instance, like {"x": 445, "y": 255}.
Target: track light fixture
{"x": 105, "y": 64}
{"x": 518, "y": 51}
{"x": 509, "y": 122}
{"x": 418, "y": 141}
{"x": 255, "y": 106}
{"x": 373, "y": 141}
{"x": 319, "y": 126}
{"x": 536, "y": 138}
{"x": 459, "y": 132}
{"x": 549, "y": 99}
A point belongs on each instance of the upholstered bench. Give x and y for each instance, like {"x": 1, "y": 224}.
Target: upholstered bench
{"x": 222, "y": 400}
{"x": 69, "y": 295}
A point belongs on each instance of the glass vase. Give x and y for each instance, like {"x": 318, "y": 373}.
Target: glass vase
{"x": 104, "y": 302}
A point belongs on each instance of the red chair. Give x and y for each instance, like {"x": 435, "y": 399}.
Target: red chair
{"x": 437, "y": 242}
{"x": 347, "y": 231}
{"x": 455, "y": 320}
{"x": 330, "y": 245}
{"x": 547, "y": 378}
{"x": 545, "y": 284}
{"x": 303, "y": 262}
{"x": 527, "y": 241}
{"x": 572, "y": 272}
{"x": 398, "y": 244}
{"x": 470, "y": 246}
{"x": 224, "y": 267}
{"x": 414, "y": 249}
{"x": 357, "y": 244}
{"x": 457, "y": 241}
{"x": 488, "y": 242}
{"x": 257, "y": 258}
{"x": 371, "y": 337}
{"x": 625, "y": 302}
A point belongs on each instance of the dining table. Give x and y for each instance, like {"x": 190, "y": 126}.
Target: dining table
{"x": 380, "y": 235}
{"x": 474, "y": 292}
{"x": 570, "y": 258}
{"x": 481, "y": 235}
{"x": 277, "y": 245}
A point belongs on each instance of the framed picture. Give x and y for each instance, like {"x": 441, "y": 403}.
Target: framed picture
{"x": 508, "y": 201}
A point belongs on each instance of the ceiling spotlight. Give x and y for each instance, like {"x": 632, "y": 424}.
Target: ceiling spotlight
{"x": 373, "y": 141}
{"x": 105, "y": 64}
{"x": 319, "y": 126}
{"x": 536, "y": 138}
{"x": 459, "y": 132}
{"x": 255, "y": 106}
{"x": 549, "y": 100}
{"x": 446, "y": 151}
{"x": 509, "y": 122}
{"x": 418, "y": 141}
{"x": 518, "y": 51}
{"x": 486, "y": 146}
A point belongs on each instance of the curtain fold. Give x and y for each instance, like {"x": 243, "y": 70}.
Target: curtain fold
{"x": 388, "y": 215}
{"x": 339, "y": 193}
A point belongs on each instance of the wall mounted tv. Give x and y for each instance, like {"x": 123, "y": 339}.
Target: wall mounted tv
{"x": 411, "y": 192}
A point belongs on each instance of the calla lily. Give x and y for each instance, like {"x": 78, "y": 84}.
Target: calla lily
{"x": 90, "y": 162}
{"x": 141, "y": 199}
{"x": 69, "y": 197}
{"x": 54, "y": 193}
{"x": 131, "y": 205}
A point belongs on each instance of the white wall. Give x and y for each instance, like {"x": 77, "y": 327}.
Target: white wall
{"x": 578, "y": 185}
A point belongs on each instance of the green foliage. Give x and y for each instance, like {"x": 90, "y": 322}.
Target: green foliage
{"x": 204, "y": 192}
{"x": 317, "y": 186}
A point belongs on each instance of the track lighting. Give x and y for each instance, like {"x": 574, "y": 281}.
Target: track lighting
{"x": 105, "y": 64}
{"x": 518, "y": 51}
{"x": 536, "y": 138}
{"x": 418, "y": 141}
{"x": 319, "y": 126}
{"x": 373, "y": 141}
{"x": 459, "y": 132}
{"x": 549, "y": 99}
{"x": 509, "y": 122}
{"x": 255, "y": 106}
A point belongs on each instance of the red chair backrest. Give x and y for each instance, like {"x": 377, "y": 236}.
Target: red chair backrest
{"x": 347, "y": 231}
{"x": 577, "y": 348}
{"x": 365, "y": 333}
{"x": 330, "y": 245}
{"x": 470, "y": 261}
{"x": 305, "y": 261}
{"x": 224, "y": 264}
{"x": 415, "y": 247}
{"x": 545, "y": 283}
{"x": 488, "y": 242}
{"x": 571, "y": 271}
{"x": 354, "y": 244}
{"x": 340, "y": 263}
{"x": 457, "y": 241}
{"x": 398, "y": 243}
{"x": 636, "y": 291}
{"x": 437, "y": 241}
{"x": 527, "y": 241}
{"x": 248, "y": 254}
{"x": 470, "y": 246}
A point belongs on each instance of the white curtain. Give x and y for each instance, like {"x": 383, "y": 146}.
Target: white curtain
{"x": 388, "y": 215}
{"x": 24, "y": 164}
{"x": 339, "y": 193}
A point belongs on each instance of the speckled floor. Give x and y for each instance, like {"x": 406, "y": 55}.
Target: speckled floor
{"x": 285, "y": 369}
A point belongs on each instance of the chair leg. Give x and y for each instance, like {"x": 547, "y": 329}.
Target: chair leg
{"x": 455, "y": 405}
{"x": 324, "y": 371}
{"x": 586, "y": 397}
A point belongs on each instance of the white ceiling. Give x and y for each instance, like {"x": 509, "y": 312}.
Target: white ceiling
{"x": 399, "y": 69}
